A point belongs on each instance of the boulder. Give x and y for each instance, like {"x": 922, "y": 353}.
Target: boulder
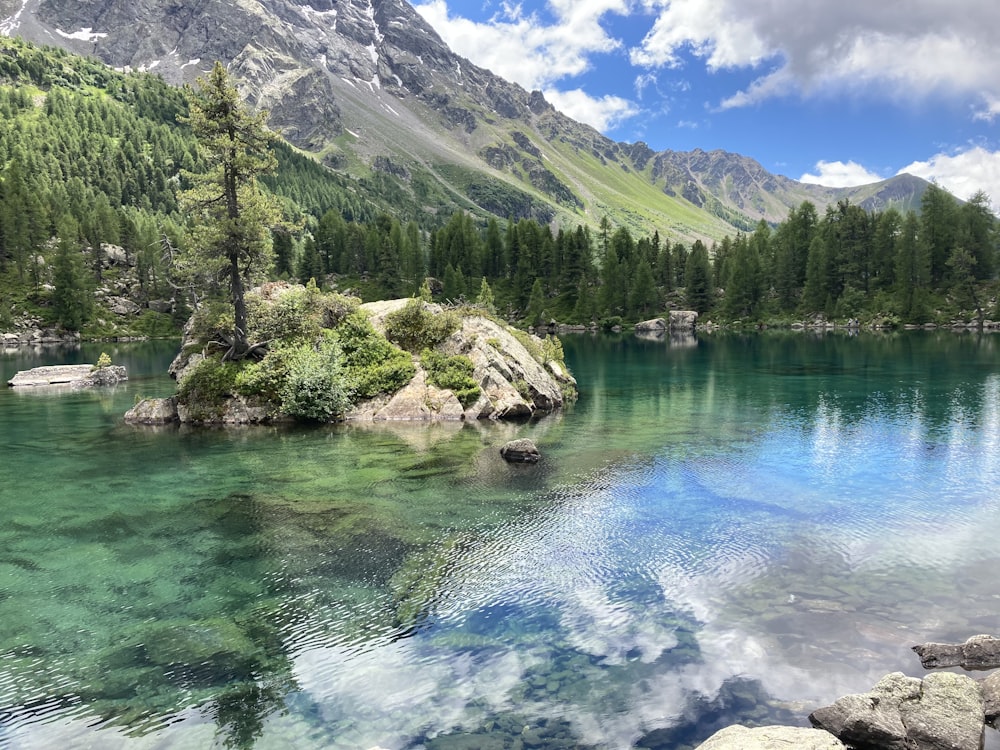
{"x": 110, "y": 375}
{"x": 122, "y": 306}
{"x": 235, "y": 410}
{"x": 153, "y": 411}
{"x": 417, "y": 401}
{"x": 683, "y": 320}
{"x": 771, "y": 738}
{"x": 160, "y": 305}
{"x": 942, "y": 712}
{"x": 949, "y": 715}
{"x": 514, "y": 384}
{"x": 522, "y": 451}
{"x": 656, "y": 326}
{"x": 990, "y": 689}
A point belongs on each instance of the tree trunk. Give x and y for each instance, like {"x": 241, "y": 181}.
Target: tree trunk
{"x": 240, "y": 342}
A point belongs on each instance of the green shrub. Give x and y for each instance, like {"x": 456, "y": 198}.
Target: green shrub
{"x": 530, "y": 343}
{"x": 287, "y": 318}
{"x": 609, "y": 324}
{"x": 153, "y": 324}
{"x": 205, "y": 389}
{"x": 413, "y": 328}
{"x": 372, "y": 365}
{"x": 315, "y": 388}
{"x": 296, "y": 314}
{"x": 103, "y": 361}
{"x": 552, "y": 350}
{"x": 452, "y": 373}
{"x": 209, "y": 320}
{"x": 265, "y": 379}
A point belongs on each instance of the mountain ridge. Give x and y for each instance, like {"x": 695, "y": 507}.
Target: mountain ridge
{"x": 368, "y": 85}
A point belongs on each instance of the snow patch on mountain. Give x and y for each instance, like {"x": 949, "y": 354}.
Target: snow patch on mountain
{"x": 83, "y": 35}
{"x": 8, "y": 25}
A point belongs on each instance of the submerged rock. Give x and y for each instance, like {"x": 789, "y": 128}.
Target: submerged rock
{"x": 520, "y": 451}
{"x": 74, "y": 376}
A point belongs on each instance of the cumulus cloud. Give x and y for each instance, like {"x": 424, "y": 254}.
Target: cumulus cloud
{"x": 932, "y": 47}
{"x": 603, "y": 113}
{"x": 524, "y": 48}
{"x": 963, "y": 173}
{"x": 840, "y": 174}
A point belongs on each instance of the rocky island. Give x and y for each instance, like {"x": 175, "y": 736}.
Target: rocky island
{"x": 321, "y": 356}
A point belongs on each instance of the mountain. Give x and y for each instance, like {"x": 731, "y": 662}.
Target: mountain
{"x": 369, "y": 87}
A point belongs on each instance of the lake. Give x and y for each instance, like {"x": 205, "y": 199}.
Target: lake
{"x": 734, "y": 529}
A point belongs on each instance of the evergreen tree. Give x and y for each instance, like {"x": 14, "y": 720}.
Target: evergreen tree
{"x": 887, "y": 228}
{"x": 583, "y": 310}
{"x": 281, "y": 241}
{"x": 454, "y": 284}
{"x": 913, "y": 271}
{"x": 698, "y": 279}
{"x": 642, "y": 292}
{"x": 743, "y": 286}
{"x": 310, "y": 265}
{"x": 938, "y": 226}
{"x": 815, "y": 293}
{"x": 71, "y": 296}
{"x": 976, "y": 233}
{"x": 536, "y": 305}
{"x": 233, "y": 217}
{"x": 485, "y": 297}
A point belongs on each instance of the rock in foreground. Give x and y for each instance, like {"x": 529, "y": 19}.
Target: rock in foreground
{"x": 771, "y": 738}
{"x": 941, "y": 712}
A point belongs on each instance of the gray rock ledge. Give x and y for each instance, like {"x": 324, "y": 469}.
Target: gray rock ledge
{"x": 73, "y": 376}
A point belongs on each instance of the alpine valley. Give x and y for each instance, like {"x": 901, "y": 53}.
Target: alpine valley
{"x": 369, "y": 88}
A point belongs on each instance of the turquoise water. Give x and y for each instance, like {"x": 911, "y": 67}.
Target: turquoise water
{"x": 736, "y": 530}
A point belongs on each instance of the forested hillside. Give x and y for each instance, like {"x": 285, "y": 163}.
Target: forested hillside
{"x": 92, "y": 239}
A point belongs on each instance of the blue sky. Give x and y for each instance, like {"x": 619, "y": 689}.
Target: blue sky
{"x": 841, "y": 93}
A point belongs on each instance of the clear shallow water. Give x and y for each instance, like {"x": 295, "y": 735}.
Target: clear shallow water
{"x": 735, "y": 531}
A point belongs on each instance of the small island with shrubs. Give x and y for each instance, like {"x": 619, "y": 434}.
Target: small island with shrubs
{"x": 323, "y": 357}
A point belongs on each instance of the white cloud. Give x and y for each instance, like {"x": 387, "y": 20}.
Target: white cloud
{"x": 840, "y": 174}
{"x": 525, "y": 49}
{"x": 963, "y": 173}
{"x": 603, "y": 113}
{"x": 932, "y": 47}
{"x": 990, "y": 109}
